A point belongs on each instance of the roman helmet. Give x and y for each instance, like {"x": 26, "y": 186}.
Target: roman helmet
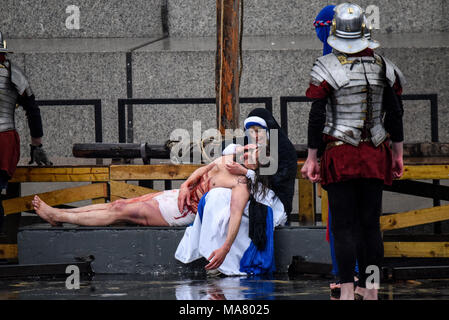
{"x": 3, "y": 48}
{"x": 347, "y": 30}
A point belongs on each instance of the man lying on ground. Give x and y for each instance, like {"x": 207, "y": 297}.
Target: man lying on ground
{"x": 161, "y": 208}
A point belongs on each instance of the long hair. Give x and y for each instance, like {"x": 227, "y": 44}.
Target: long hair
{"x": 261, "y": 184}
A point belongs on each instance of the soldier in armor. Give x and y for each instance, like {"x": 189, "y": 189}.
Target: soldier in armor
{"x": 15, "y": 89}
{"x": 356, "y": 123}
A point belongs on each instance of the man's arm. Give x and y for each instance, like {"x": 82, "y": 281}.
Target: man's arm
{"x": 184, "y": 192}
{"x": 239, "y": 199}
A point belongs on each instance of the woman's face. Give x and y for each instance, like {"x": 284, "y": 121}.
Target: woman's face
{"x": 257, "y": 135}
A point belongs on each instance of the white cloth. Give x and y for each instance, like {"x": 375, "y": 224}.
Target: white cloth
{"x": 205, "y": 236}
{"x": 168, "y": 206}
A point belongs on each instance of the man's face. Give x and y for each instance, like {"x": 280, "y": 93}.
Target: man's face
{"x": 249, "y": 157}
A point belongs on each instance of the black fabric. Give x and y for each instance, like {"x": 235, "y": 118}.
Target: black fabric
{"x": 356, "y": 206}
{"x": 317, "y": 119}
{"x": 2, "y": 211}
{"x": 283, "y": 181}
{"x": 257, "y": 223}
{"x": 394, "y": 110}
{"x": 33, "y": 114}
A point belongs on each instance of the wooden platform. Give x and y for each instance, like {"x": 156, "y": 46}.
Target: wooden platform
{"x": 110, "y": 183}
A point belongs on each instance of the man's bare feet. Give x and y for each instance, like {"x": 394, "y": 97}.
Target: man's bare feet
{"x": 335, "y": 291}
{"x": 45, "y": 211}
{"x": 347, "y": 291}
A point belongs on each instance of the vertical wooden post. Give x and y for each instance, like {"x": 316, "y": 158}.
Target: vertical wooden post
{"x": 324, "y": 207}
{"x": 306, "y": 203}
{"x": 227, "y": 65}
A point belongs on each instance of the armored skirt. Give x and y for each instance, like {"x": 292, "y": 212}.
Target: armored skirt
{"x": 10, "y": 151}
{"x": 347, "y": 162}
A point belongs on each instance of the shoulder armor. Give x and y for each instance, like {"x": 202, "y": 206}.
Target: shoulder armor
{"x": 329, "y": 68}
{"x": 19, "y": 80}
{"x": 391, "y": 71}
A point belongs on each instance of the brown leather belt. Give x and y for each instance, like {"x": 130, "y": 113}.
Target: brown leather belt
{"x": 337, "y": 143}
{"x": 333, "y": 144}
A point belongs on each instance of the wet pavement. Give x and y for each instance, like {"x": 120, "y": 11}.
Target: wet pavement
{"x": 279, "y": 287}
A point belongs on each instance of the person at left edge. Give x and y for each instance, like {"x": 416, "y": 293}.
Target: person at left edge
{"x": 15, "y": 89}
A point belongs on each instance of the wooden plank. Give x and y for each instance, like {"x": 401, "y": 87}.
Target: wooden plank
{"x": 416, "y": 249}
{"x": 60, "y": 174}
{"x": 125, "y": 191}
{"x": 152, "y": 172}
{"x": 8, "y": 251}
{"x": 53, "y": 198}
{"x": 422, "y": 172}
{"x": 414, "y": 218}
{"x": 306, "y": 202}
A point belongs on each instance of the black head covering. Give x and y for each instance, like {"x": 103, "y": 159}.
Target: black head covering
{"x": 283, "y": 181}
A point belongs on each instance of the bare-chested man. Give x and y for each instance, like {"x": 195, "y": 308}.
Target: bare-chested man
{"x": 161, "y": 208}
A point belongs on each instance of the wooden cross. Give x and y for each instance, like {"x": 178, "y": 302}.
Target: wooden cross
{"x": 227, "y": 65}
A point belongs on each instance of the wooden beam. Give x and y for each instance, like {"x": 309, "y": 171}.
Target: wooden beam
{"x": 54, "y": 198}
{"x": 423, "y": 172}
{"x": 414, "y": 218}
{"x": 125, "y": 191}
{"x": 227, "y": 65}
{"x": 60, "y": 174}
{"x": 416, "y": 249}
{"x": 152, "y": 172}
{"x": 8, "y": 251}
{"x": 324, "y": 207}
{"x": 306, "y": 202}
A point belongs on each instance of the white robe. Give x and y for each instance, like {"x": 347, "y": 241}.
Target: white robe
{"x": 205, "y": 236}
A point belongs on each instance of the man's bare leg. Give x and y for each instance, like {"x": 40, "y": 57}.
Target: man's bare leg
{"x": 104, "y": 206}
{"x": 143, "y": 213}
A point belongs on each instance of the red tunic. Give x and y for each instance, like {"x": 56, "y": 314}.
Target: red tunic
{"x": 346, "y": 162}
{"x": 9, "y": 151}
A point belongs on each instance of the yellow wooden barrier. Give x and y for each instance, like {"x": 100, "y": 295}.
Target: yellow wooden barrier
{"x": 8, "y": 251}
{"x": 60, "y": 174}
{"x": 53, "y": 198}
{"x": 416, "y": 249}
{"x": 122, "y": 190}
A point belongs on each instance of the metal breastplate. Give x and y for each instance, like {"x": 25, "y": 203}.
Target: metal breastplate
{"x": 8, "y": 100}
{"x": 355, "y": 109}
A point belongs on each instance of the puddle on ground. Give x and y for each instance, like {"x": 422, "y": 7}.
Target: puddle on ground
{"x": 277, "y": 287}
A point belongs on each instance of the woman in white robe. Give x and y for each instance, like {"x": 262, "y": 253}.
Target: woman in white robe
{"x": 209, "y": 230}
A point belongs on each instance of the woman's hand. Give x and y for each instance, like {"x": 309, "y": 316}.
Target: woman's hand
{"x": 217, "y": 257}
{"x": 236, "y": 169}
{"x": 311, "y": 169}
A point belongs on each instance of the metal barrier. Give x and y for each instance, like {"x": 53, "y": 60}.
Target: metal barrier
{"x": 97, "y": 109}
{"x": 125, "y": 127}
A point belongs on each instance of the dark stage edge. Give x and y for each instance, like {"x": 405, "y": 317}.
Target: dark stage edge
{"x": 150, "y": 250}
